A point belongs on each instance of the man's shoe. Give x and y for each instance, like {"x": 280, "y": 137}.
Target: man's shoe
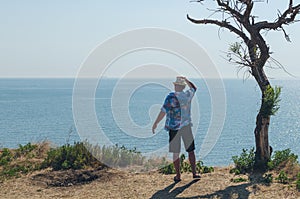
{"x": 176, "y": 179}
{"x": 196, "y": 176}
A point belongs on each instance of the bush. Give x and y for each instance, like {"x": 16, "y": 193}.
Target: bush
{"x": 268, "y": 178}
{"x": 238, "y": 180}
{"x": 26, "y": 150}
{"x": 169, "y": 169}
{"x": 282, "y": 177}
{"x": 19, "y": 161}
{"x": 18, "y": 169}
{"x": 69, "y": 157}
{"x": 205, "y": 169}
{"x": 243, "y": 163}
{"x": 83, "y": 154}
{"x": 5, "y": 157}
{"x": 282, "y": 157}
{"x": 235, "y": 171}
{"x": 186, "y": 167}
{"x": 298, "y": 182}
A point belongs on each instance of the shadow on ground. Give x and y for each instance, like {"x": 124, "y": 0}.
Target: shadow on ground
{"x": 239, "y": 191}
{"x": 167, "y": 193}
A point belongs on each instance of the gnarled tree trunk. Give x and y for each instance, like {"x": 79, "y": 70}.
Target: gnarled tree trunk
{"x": 263, "y": 149}
{"x": 261, "y": 132}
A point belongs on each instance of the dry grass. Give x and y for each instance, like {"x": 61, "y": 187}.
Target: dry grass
{"x": 116, "y": 184}
{"x": 290, "y": 168}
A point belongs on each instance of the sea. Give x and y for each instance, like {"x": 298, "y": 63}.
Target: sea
{"x": 121, "y": 112}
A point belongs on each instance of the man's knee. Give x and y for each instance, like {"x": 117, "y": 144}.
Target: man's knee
{"x": 175, "y": 156}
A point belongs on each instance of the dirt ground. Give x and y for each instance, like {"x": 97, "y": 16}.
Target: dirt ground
{"x": 109, "y": 183}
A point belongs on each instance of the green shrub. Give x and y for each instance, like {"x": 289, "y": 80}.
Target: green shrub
{"x": 10, "y": 172}
{"x": 5, "y": 157}
{"x": 280, "y": 157}
{"x": 69, "y": 157}
{"x": 169, "y": 169}
{"x": 206, "y": 169}
{"x": 235, "y": 171}
{"x": 243, "y": 163}
{"x": 298, "y": 182}
{"x": 18, "y": 161}
{"x": 186, "y": 167}
{"x": 238, "y": 180}
{"x": 25, "y": 150}
{"x": 82, "y": 154}
{"x": 268, "y": 178}
{"x": 17, "y": 170}
{"x": 282, "y": 177}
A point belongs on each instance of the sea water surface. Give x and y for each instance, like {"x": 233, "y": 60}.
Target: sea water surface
{"x": 33, "y": 110}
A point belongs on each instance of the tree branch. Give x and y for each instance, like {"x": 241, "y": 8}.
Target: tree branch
{"x": 284, "y": 19}
{"x": 226, "y": 7}
{"x": 223, "y": 24}
{"x": 248, "y": 10}
{"x": 241, "y": 22}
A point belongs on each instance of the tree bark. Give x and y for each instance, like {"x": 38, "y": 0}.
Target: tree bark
{"x": 261, "y": 132}
{"x": 263, "y": 149}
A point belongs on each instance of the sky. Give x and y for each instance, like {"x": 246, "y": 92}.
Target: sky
{"x": 54, "y": 38}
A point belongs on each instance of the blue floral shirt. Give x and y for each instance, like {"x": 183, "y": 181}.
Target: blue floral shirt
{"x": 177, "y": 107}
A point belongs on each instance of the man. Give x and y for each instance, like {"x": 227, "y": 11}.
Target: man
{"x": 177, "y": 108}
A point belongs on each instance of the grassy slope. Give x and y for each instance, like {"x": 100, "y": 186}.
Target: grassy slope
{"x": 116, "y": 184}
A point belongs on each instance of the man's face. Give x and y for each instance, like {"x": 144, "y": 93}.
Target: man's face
{"x": 178, "y": 88}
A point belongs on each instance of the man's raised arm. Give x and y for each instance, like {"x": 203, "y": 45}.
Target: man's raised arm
{"x": 189, "y": 83}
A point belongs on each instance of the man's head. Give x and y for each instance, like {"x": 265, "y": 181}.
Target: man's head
{"x": 179, "y": 84}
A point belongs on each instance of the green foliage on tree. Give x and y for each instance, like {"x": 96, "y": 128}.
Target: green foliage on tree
{"x": 271, "y": 99}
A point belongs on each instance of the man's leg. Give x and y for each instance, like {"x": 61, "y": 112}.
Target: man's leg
{"x": 176, "y": 162}
{"x": 192, "y": 160}
{"x": 174, "y": 147}
{"x": 189, "y": 144}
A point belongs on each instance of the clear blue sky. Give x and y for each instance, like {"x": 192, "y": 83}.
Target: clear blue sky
{"x": 40, "y": 38}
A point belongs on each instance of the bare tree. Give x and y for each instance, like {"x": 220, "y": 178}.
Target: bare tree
{"x": 253, "y": 53}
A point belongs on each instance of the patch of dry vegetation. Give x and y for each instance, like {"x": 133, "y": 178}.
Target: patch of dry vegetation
{"x": 25, "y": 159}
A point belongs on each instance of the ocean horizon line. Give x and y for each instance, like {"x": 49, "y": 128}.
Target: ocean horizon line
{"x": 132, "y": 78}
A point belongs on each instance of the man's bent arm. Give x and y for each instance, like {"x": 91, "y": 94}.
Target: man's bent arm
{"x": 160, "y": 116}
{"x": 190, "y": 84}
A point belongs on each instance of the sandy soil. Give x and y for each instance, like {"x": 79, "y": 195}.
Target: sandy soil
{"x": 117, "y": 184}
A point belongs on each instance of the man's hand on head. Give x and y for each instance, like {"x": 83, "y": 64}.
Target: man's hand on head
{"x": 189, "y": 83}
{"x": 182, "y": 77}
{"x": 185, "y": 79}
